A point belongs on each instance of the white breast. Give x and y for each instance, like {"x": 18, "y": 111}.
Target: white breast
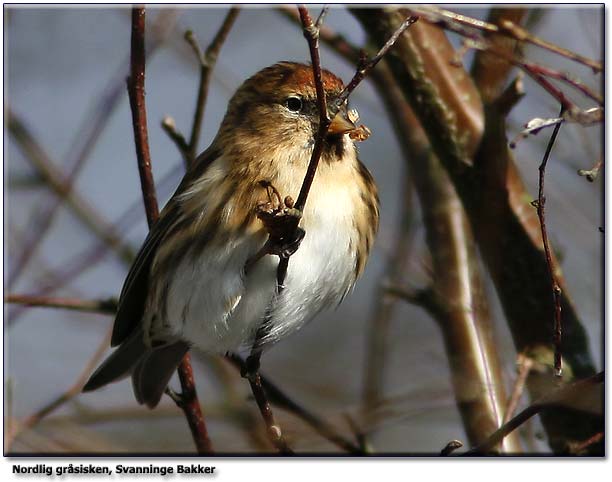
{"x": 215, "y": 307}
{"x": 322, "y": 270}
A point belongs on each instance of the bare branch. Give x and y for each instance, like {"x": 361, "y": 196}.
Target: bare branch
{"x": 451, "y": 447}
{"x": 250, "y": 371}
{"x": 136, "y": 91}
{"x": 282, "y": 400}
{"x": 457, "y": 23}
{"x": 321, "y": 17}
{"x": 189, "y": 400}
{"x": 108, "y": 306}
{"x": 524, "y": 368}
{"x": 169, "y": 127}
{"x": 556, "y": 288}
{"x": 364, "y": 69}
{"x": 506, "y": 27}
{"x": 592, "y": 173}
{"x": 583, "y": 117}
{"x": 311, "y": 33}
{"x": 207, "y": 63}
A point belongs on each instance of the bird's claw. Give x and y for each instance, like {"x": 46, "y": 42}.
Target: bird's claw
{"x": 280, "y": 219}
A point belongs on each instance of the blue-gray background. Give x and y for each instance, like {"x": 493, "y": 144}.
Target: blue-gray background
{"x": 59, "y": 61}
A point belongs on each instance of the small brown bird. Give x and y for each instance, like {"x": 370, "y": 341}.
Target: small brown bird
{"x": 189, "y": 285}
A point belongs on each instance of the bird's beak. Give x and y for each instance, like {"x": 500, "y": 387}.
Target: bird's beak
{"x": 341, "y": 124}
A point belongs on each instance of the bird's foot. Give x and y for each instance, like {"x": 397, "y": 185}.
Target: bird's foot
{"x": 280, "y": 219}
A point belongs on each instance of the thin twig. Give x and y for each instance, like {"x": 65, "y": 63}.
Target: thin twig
{"x": 282, "y": 400}
{"x": 108, "y": 306}
{"x": 578, "y": 85}
{"x": 364, "y": 69}
{"x": 591, "y": 174}
{"x": 556, "y": 289}
{"x": 548, "y": 86}
{"x": 510, "y": 28}
{"x": 524, "y": 368}
{"x": 189, "y": 403}
{"x": 505, "y": 430}
{"x": 506, "y": 28}
{"x": 330, "y": 37}
{"x": 311, "y": 33}
{"x": 456, "y": 23}
{"x": 581, "y": 447}
{"x": 207, "y": 63}
{"x": 321, "y": 17}
{"x": 169, "y": 127}
{"x": 250, "y": 371}
{"x": 451, "y": 447}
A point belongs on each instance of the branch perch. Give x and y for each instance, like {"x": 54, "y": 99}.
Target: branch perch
{"x": 189, "y": 402}
{"x": 556, "y": 288}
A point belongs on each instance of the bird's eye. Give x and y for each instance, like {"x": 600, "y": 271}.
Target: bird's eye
{"x": 294, "y": 104}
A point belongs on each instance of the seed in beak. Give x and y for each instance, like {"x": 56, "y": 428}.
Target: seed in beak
{"x": 340, "y": 125}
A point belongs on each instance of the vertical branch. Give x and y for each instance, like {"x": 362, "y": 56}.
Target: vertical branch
{"x": 136, "y": 92}
{"x": 207, "y": 63}
{"x": 311, "y": 33}
{"x": 188, "y": 402}
{"x": 556, "y": 289}
{"x": 525, "y": 365}
{"x": 279, "y": 398}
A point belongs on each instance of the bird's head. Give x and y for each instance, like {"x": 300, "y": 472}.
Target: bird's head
{"x": 277, "y": 107}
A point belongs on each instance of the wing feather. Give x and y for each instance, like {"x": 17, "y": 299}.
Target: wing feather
{"x": 136, "y": 287}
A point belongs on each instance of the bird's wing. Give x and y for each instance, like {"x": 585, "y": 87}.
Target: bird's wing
{"x": 135, "y": 289}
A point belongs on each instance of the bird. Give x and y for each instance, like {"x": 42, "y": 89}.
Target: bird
{"x": 198, "y": 281}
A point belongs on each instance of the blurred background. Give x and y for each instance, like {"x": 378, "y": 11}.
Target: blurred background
{"x": 64, "y": 80}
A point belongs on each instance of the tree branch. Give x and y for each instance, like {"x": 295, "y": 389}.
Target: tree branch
{"x": 207, "y": 63}
{"x": 555, "y": 287}
{"x": 189, "y": 400}
{"x": 282, "y": 400}
{"x": 108, "y": 306}
{"x": 507, "y": 28}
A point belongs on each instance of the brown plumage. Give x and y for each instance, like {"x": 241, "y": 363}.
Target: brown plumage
{"x": 188, "y": 285}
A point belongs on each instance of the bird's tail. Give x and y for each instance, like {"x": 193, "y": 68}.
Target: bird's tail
{"x": 151, "y": 369}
